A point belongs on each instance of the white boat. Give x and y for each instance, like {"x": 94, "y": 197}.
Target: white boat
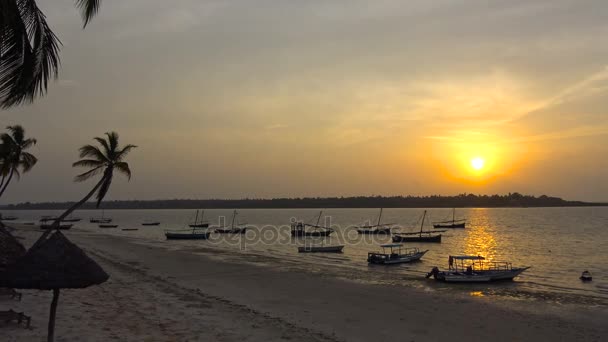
{"x": 396, "y": 255}
{"x": 474, "y": 269}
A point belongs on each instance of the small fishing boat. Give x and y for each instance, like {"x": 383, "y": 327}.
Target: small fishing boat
{"x": 186, "y": 234}
{"x": 461, "y": 223}
{"x": 151, "y": 223}
{"x": 375, "y": 229}
{"x": 71, "y": 219}
{"x": 51, "y": 226}
{"x": 299, "y": 228}
{"x": 106, "y": 225}
{"x": 234, "y": 228}
{"x": 102, "y": 219}
{"x": 129, "y": 229}
{"x": 48, "y": 218}
{"x": 586, "y": 276}
{"x": 421, "y": 236}
{"x": 474, "y": 269}
{"x": 321, "y": 249}
{"x": 396, "y": 255}
{"x": 200, "y": 224}
{"x": 8, "y": 218}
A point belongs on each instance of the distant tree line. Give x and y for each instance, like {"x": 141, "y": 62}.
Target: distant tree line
{"x": 460, "y": 201}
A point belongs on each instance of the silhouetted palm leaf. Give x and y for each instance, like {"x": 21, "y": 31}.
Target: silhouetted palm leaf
{"x": 14, "y": 159}
{"x": 29, "y": 50}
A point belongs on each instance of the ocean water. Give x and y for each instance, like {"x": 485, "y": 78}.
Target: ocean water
{"x": 558, "y": 244}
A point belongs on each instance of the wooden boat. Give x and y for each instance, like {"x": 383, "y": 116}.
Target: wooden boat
{"x": 186, "y": 235}
{"x": 421, "y": 236}
{"x": 586, "y": 276}
{"x": 395, "y": 255}
{"x": 61, "y": 226}
{"x": 102, "y": 219}
{"x": 105, "y": 225}
{"x": 150, "y": 223}
{"x": 200, "y": 224}
{"x": 8, "y": 218}
{"x": 299, "y": 228}
{"x": 474, "y": 269}
{"x": 376, "y": 229}
{"x": 461, "y": 223}
{"x": 234, "y": 229}
{"x": 48, "y": 218}
{"x": 71, "y": 219}
{"x": 129, "y": 229}
{"x": 320, "y": 249}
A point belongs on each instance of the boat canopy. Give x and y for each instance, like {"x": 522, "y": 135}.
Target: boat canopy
{"x": 467, "y": 257}
{"x": 391, "y": 245}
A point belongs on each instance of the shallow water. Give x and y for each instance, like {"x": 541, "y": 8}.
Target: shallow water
{"x": 558, "y": 243}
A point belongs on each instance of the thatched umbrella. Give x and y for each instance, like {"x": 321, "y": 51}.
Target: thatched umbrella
{"x": 53, "y": 263}
{"x": 10, "y": 249}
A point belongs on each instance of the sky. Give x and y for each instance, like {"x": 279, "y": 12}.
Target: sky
{"x": 289, "y": 98}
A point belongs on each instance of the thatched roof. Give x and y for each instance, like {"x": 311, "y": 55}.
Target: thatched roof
{"x": 10, "y": 248}
{"x": 53, "y": 263}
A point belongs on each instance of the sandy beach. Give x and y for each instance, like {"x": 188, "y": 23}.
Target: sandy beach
{"x": 158, "y": 294}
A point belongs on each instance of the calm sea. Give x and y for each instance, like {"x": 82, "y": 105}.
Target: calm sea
{"x": 558, "y": 243}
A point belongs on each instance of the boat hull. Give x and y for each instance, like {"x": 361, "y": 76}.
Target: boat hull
{"x": 320, "y": 249}
{"x": 108, "y": 226}
{"x": 187, "y": 236}
{"x": 151, "y": 224}
{"x": 231, "y": 231}
{"x": 199, "y": 225}
{"x": 313, "y": 233}
{"x": 417, "y": 238}
{"x": 483, "y": 276}
{"x": 389, "y": 259}
{"x": 93, "y": 220}
{"x": 450, "y": 225}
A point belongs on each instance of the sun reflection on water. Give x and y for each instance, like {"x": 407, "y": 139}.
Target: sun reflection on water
{"x": 480, "y": 240}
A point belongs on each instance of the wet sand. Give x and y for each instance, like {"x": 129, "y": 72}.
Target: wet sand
{"x": 159, "y": 294}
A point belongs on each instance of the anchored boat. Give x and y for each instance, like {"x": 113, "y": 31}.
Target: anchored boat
{"x": 151, "y": 223}
{"x": 200, "y": 224}
{"x": 102, "y": 219}
{"x": 461, "y": 223}
{"x": 234, "y": 228}
{"x": 186, "y": 235}
{"x": 299, "y": 228}
{"x": 474, "y": 269}
{"x": 376, "y": 229}
{"x": 421, "y": 236}
{"x": 396, "y": 255}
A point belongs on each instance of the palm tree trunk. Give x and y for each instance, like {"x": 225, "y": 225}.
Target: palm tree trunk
{"x": 51, "y": 333}
{"x": 78, "y": 204}
{"x": 8, "y": 180}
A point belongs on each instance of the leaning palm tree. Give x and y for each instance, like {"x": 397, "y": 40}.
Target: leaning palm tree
{"x": 13, "y": 157}
{"x": 104, "y": 160}
{"x": 29, "y": 49}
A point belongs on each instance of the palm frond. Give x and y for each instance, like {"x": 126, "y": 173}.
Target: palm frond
{"x": 88, "y": 9}
{"x": 29, "y": 50}
{"x": 123, "y": 168}
{"x": 91, "y": 173}
{"x": 27, "y": 161}
{"x": 27, "y": 143}
{"x": 88, "y": 163}
{"x": 113, "y": 141}
{"x": 105, "y": 187}
{"x": 123, "y": 153}
{"x": 17, "y": 133}
{"x": 105, "y": 145}
{"x": 92, "y": 152}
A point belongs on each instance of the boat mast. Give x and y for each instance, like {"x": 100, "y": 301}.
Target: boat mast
{"x": 453, "y": 215}
{"x": 319, "y": 218}
{"x": 379, "y": 218}
{"x": 233, "y": 216}
{"x": 202, "y": 215}
{"x": 422, "y": 224}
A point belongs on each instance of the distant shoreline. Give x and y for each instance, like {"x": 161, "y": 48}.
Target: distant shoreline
{"x": 512, "y": 200}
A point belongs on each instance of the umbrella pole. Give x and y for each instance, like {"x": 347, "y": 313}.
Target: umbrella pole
{"x": 51, "y": 333}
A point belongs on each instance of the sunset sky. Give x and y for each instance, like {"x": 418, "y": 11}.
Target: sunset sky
{"x": 267, "y": 98}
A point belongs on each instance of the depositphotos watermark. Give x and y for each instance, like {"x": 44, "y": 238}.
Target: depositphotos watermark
{"x": 297, "y": 233}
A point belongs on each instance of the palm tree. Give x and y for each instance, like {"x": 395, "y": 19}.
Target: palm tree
{"x": 13, "y": 156}
{"x": 29, "y": 50}
{"x": 102, "y": 160}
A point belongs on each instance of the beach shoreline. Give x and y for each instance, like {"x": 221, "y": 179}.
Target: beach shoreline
{"x": 159, "y": 294}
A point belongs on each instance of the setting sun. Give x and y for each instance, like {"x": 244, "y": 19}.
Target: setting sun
{"x": 477, "y": 163}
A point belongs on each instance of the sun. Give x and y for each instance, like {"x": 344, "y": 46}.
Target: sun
{"x": 477, "y": 163}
